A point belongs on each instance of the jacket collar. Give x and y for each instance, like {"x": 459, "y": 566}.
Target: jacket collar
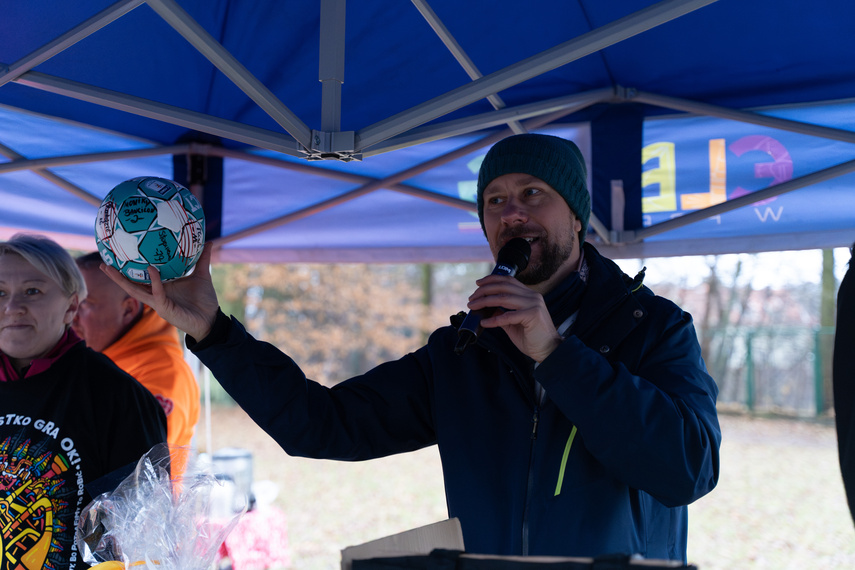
{"x": 608, "y": 289}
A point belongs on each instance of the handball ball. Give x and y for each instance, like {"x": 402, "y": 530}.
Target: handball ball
{"x": 150, "y": 221}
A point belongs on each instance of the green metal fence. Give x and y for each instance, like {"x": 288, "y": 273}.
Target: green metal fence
{"x": 774, "y": 369}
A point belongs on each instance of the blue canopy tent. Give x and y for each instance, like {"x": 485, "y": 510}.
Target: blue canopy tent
{"x": 326, "y": 132}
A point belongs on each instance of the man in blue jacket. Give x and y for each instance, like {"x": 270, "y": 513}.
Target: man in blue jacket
{"x": 581, "y": 423}
{"x": 843, "y": 377}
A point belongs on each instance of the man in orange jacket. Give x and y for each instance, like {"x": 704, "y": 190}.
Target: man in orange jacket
{"x": 142, "y": 344}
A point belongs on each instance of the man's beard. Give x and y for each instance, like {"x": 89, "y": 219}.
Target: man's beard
{"x": 552, "y": 256}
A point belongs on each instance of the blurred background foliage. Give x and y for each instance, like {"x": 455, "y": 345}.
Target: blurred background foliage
{"x": 765, "y": 339}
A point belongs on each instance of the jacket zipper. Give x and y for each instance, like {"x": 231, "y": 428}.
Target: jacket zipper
{"x": 534, "y": 421}
{"x": 525, "y": 529}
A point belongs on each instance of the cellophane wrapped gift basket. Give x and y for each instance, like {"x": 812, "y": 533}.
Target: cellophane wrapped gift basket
{"x": 154, "y": 520}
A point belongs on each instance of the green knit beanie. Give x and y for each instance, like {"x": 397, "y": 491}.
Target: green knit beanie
{"x": 556, "y": 161}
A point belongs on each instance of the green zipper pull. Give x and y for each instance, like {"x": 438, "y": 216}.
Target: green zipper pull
{"x": 564, "y": 461}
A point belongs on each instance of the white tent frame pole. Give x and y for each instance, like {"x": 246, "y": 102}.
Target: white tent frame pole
{"x": 564, "y": 105}
{"x": 462, "y": 57}
{"x": 735, "y": 203}
{"x": 23, "y": 163}
{"x": 599, "y": 228}
{"x": 53, "y": 178}
{"x": 331, "y": 66}
{"x": 332, "y": 174}
{"x": 741, "y": 116}
{"x": 192, "y": 120}
{"x": 389, "y": 183}
{"x": 392, "y": 182}
{"x": 83, "y": 30}
{"x": 344, "y": 176}
{"x": 223, "y": 60}
{"x": 528, "y": 68}
{"x": 704, "y": 109}
{"x": 828, "y": 239}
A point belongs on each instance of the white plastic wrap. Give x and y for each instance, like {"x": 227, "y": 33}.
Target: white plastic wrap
{"x": 152, "y": 521}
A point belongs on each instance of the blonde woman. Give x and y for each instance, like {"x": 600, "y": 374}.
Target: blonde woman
{"x": 72, "y": 424}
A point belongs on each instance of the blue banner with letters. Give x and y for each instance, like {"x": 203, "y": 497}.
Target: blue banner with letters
{"x": 689, "y": 164}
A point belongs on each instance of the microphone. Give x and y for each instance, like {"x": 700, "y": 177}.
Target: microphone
{"x": 512, "y": 258}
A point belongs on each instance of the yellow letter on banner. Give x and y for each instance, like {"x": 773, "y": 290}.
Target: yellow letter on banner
{"x": 664, "y": 175}
{"x": 718, "y": 181}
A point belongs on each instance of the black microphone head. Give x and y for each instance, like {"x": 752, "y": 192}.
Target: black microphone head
{"x": 515, "y": 254}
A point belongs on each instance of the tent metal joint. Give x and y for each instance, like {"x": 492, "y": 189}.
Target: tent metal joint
{"x": 335, "y": 145}
{"x": 625, "y": 94}
{"x": 615, "y": 238}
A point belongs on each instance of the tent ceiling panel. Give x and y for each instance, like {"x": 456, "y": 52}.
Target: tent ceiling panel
{"x": 397, "y": 86}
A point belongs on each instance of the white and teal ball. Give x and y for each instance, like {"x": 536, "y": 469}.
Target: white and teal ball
{"x": 150, "y": 221}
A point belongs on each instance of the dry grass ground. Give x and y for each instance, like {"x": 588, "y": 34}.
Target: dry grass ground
{"x": 779, "y": 504}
